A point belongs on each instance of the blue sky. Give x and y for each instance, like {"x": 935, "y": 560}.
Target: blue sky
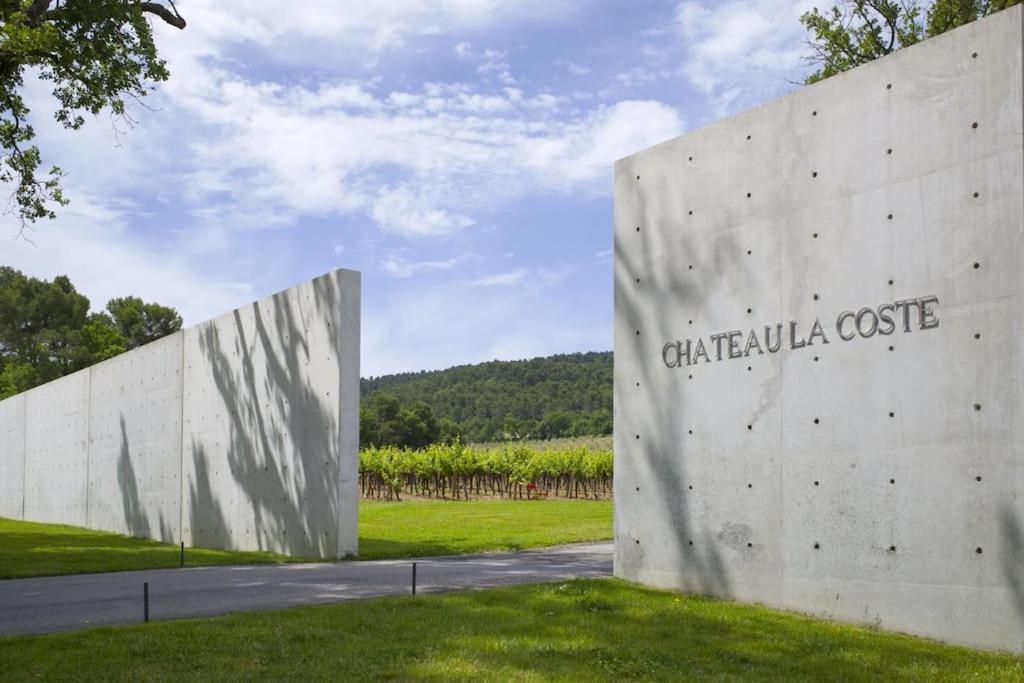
{"x": 458, "y": 153}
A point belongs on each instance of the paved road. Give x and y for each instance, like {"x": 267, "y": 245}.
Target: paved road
{"x": 66, "y": 603}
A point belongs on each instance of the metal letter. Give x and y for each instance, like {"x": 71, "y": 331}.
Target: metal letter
{"x": 839, "y": 325}
{"x": 717, "y": 338}
{"x": 792, "y": 337}
{"x": 665, "y": 351}
{"x": 734, "y": 346}
{"x": 816, "y": 331}
{"x": 751, "y": 343}
{"x": 700, "y": 351}
{"x": 874, "y": 322}
{"x": 906, "y": 304}
{"x": 773, "y": 348}
{"x": 883, "y": 314}
{"x": 928, "y": 317}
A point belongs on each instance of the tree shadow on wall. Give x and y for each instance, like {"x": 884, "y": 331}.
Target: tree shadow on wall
{"x": 283, "y": 445}
{"x": 206, "y": 517}
{"x": 135, "y": 518}
{"x": 702, "y": 568}
{"x": 1013, "y": 560}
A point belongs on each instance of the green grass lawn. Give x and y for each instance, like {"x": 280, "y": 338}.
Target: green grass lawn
{"x": 581, "y": 630}
{"x": 423, "y": 528}
{"x": 386, "y": 530}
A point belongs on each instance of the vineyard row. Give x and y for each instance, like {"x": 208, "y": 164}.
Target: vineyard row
{"x": 459, "y": 472}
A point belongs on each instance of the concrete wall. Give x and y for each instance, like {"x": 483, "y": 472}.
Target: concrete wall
{"x": 135, "y": 442}
{"x": 12, "y": 457}
{"x": 241, "y": 432}
{"x": 56, "y": 451}
{"x": 879, "y": 479}
{"x": 264, "y": 422}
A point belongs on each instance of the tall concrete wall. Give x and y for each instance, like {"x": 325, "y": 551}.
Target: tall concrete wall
{"x": 271, "y": 398}
{"x": 872, "y": 476}
{"x": 241, "y": 432}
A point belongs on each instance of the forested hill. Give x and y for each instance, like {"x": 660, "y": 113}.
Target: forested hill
{"x": 564, "y": 395}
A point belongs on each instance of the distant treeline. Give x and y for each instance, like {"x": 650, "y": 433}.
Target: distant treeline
{"x": 542, "y": 398}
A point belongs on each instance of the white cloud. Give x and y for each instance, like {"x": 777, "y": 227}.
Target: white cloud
{"x": 741, "y": 52}
{"x": 418, "y": 162}
{"x": 291, "y": 34}
{"x": 396, "y": 266}
{"x": 574, "y": 68}
{"x": 409, "y": 212}
{"x": 92, "y": 245}
{"x": 510, "y": 279}
{"x": 495, "y": 65}
{"x": 587, "y": 148}
{"x": 463, "y": 49}
{"x": 531, "y": 279}
{"x": 241, "y": 153}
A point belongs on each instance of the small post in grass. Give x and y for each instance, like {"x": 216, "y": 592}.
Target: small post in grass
{"x": 183, "y": 553}
{"x": 414, "y": 578}
{"x": 145, "y": 600}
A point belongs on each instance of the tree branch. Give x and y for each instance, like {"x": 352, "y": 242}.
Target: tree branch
{"x": 168, "y": 14}
{"x": 36, "y": 10}
{"x": 171, "y": 15}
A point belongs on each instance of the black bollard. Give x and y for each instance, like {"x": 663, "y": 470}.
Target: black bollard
{"x": 183, "y": 553}
{"x": 145, "y": 601}
{"x": 414, "y": 578}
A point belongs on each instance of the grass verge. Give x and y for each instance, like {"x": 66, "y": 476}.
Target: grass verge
{"x": 387, "y": 530}
{"x": 580, "y": 630}
{"x": 32, "y": 549}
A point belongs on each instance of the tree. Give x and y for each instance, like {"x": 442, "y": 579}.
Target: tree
{"x": 96, "y": 53}
{"x": 855, "y": 32}
{"x": 98, "y": 341}
{"x": 384, "y": 422}
{"x": 419, "y": 428}
{"x": 140, "y": 322}
{"x": 555, "y": 424}
{"x": 39, "y": 325}
{"x": 46, "y": 330}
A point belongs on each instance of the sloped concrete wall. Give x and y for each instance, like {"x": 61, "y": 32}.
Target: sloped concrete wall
{"x": 12, "y": 457}
{"x": 56, "y": 451}
{"x": 873, "y": 475}
{"x": 135, "y": 442}
{"x": 241, "y": 432}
